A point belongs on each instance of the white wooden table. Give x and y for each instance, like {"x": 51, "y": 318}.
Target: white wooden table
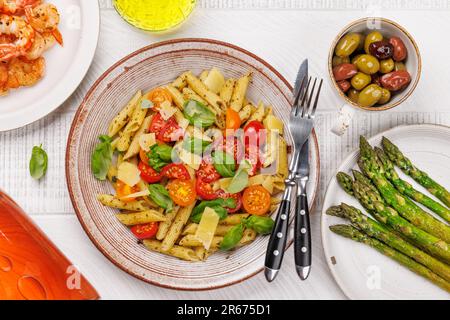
{"x": 281, "y": 32}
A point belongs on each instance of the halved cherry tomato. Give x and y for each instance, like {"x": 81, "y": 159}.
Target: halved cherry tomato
{"x": 123, "y": 190}
{"x": 158, "y": 96}
{"x": 236, "y": 196}
{"x": 148, "y": 174}
{"x": 143, "y": 156}
{"x": 182, "y": 192}
{"x": 157, "y": 123}
{"x": 207, "y": 172}
{"x": 175, "y": 171}
{"x": 252, "y": 154}
{"x": 205, "y": 190}
{"x": 145, "y": 231}
{"x": 232, "y": 120}
{"x": 171, "y": 131}
{"x": 254, "y": 133}
{"x": 256, "y": 200}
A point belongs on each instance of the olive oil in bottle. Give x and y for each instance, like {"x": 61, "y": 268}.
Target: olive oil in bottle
{"x": 154, "y": 15}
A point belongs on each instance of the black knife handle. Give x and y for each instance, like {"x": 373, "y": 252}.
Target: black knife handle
{"x": 278, "y": 238}
{"x": 302, "y": 234}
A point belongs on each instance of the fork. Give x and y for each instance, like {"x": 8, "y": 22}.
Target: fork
{"x": 301, "y": 122}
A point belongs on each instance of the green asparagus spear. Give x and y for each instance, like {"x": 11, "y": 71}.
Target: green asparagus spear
{"x": 353, "y": 233}
{"x": 377, "y": 207}
{"x": 372, "y": 167}
{"x": 377, "y": 230}
{"x": 407, "y": 189}
{"x": 421, "y": 177}
{"x": 363, "y": 179}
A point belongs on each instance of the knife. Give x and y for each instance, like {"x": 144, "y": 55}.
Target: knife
{"x": 277, "y": 244}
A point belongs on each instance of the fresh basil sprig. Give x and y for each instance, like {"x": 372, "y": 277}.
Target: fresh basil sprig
{"x": 224, "y": 164}
{"x": 160, "y": 196}
{"x": 198, "y": 114}
{"x": 159, "y": 156}
{"x": 240, "y": 179}
{"x": 218, "y": 205}
{"x": 38, "y": 162}
{"x": 262, "y": 226}
{"x": 195, "y": 145}
{"x": 101, "y": 157}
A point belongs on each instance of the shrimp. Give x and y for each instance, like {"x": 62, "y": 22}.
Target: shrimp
{"x": 3, "y": 76}
{"x": 23, "y": 33}
{"x": 45, "y": 18}
{"x": 42, "y": 43}
{"x": 23, "y": 72}
{"x": 13, "y": 6}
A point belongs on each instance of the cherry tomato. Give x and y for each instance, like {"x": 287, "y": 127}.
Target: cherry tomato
{"x": 252, "y": 155}
{"x": 232, "y": 120}
{"x": 256, "y": 200}
{"x": 207, "y": 172}
{"x": 143, "y": 156}
{"x": 157, "y": 123}
{"x": 175, "y": 171}
{"x": 236, "y": 196}
{"x": 182, "y": 192}
{"x": 254, "y": 133}
{"x": 148, "y": 174}
{"x": 233, "y": 146}
{"x": 205, "y": 190}
{"x": 145, "y": 231}
{"x": 123, "y": 190}
{"x": 171, "y": 131}
{"x": 158, "y": 96}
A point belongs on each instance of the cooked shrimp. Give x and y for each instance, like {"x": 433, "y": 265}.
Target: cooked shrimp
{"x": 42, "y": 43}
{"x": 23, "y": 72}
{"x": 3, "y": 75}
{"x": 23, "y": 33}
{"x": 45, "y": 18}
{"x": 13, "y": 6}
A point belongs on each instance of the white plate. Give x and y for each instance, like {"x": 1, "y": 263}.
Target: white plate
{"x": 65, "y": 66}
{"x": 360, "y": 271}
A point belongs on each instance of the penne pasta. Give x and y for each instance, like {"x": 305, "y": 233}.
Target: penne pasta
{"x": 177, "y": 96}
{"x": 233, "y": 219}
{"x": 131, "y": 128}
{"x": 180, "y": 82}
{"x": 258, "y": 115}
{"x": 111, "y": 201}
{"x": 213, "y": 99}
{"x": 190, "y": 94}
{"x": 177, "y": 227}
{"x": 165, "y": 225}
{"x": 203, "y": 75}
{"x": 239, "y": 93}
{"x": 124, "y": 115}
{"x": 282, "y": 163}
{"x": 245, "y": 113}
{"x": 227, "y": 91}
{"x": 176, "y": 251}
{"x": 131, "y": 219}
{"x": 248, "y": 236}
{"x": 134, "y": 146}
{"x": 221, "y": 230}
{"x": 191, "y": 241}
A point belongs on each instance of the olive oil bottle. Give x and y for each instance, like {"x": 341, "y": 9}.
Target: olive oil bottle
{"x": 155, "y": 15}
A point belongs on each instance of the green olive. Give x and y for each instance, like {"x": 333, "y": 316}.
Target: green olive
{"x": 361, "y": 42}
{"x": 387, "y": 65}
{"x": 372, "y": 37}
{"x": 399, "y": 66}
{"x": 370, "y": 95}
{"x": 347, "y": 45}
{"x": 353, "y": 95}
{"x": 340, "y": 60}
{"x": 385, "y": 96}
{"x": 360, "y": 81}
{"x": 355, "y": 58}
{"x": 367, "y": 64}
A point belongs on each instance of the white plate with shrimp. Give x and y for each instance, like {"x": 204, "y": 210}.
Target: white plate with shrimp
{"x": 65, "y": 66}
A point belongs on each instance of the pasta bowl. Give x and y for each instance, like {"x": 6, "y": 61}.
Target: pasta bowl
{"x": 149, "y": 67}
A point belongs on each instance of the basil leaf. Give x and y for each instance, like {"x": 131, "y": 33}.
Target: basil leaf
{"x": 38, "y": 162}
{"x": 195, "y": 145}
{"x": 219, "y": 205}
{"x": 262, "y": 225}
{"x": 159, "y": 156}
{"x": 240, "y": 180}
{"x": 198, "y": 114}
{"x": 232, "y": 237}
{"x": 160, "y": 196}
{"x": 101, "y": 157}
{"x": 224, "y": 164}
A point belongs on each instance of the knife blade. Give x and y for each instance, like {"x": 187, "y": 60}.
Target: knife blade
{"x": 301, "y": 74}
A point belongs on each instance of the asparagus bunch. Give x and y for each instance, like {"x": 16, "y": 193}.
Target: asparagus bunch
{"x": 353, "y": 233}
{"x": 372, "y": 167}
{"x": 396, "y": 156}
{"x": 407, "y": 189}
{"x": 377, "y": 230}
{"x": 371, "y": 200}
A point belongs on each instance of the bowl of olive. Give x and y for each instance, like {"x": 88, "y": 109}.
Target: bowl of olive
{"x": 374, "y": 64}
